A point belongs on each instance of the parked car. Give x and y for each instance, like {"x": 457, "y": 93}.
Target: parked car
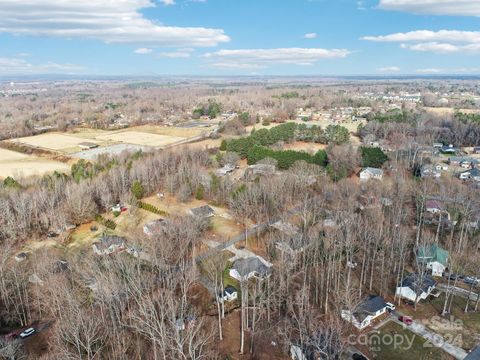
{"x": 407, "y": 320}
{"x": 27, "y": 333}
{"x": 453, "y": 276}
{"x": 470, "y": 280}
{"x": 52, "y": 234}
{"x": 390, "y": 307}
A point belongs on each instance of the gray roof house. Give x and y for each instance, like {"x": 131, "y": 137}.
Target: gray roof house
{"x": 204, "y": 211}
{"x": 108, "y": 244}
{"x": 244, "y": 269}
{"x": 368, "y": 310}
{"x": 371, "y": 173}
{"x": 416, "y": 287}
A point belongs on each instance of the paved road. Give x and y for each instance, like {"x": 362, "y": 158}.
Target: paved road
{"x": 459, "y": 292}
{"x": 434, "y": 339}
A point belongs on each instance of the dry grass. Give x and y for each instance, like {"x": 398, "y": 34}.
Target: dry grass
{"x": 140, "y": 138}
{"x": 18, "y": 165}
{"x": 54, "y": 141}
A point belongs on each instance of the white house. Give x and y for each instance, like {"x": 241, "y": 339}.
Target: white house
{"x": 367, "y": 311}
{"x": 229, "y": 294}
{"x": 434, "y": 206}
{"x": 416, "y": 287}
{"x": 473, "y": 174}
{"x": 434, "y": 258}
{"x": 371, "y": 173}
{"x": 108, "y": 244}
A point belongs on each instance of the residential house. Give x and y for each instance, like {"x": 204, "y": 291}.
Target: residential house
{"x": 244, "y": 269}
{"x": 434, "y": 258}
{"x": 459, "y": 160}
{"x": 416, "y": 287}
{"x": 474, "y": 354}
{"x": 429, "y": 171}
{"x": 476, "y": 149}
{"x": 227, "y": 169}
{"x": 109, "y": 244}
{"x": 437, "y": 145}
{"x": 154, "y": 227}
{"x": 434, "y": 206}
{"x": 229, "y": 294}
{"x": 291, "y": 240}
{"x": 259, "y": 170}
{"x": 367, "y": 311}
{"x": 371, "y": 173}
{"x": 204, "y": 211}
{"x": 448, "y": 149}
{"x": 472, "y": 174}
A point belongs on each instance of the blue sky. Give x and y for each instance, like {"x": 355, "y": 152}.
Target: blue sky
{"x": 240, "y": 37}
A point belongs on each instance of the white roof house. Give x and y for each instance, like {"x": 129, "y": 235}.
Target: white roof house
{"x": 416, "y": 287}
{"x": 246, "y": 268}
{"x": 371, "y": 173}
{"x": 367, "y": 311}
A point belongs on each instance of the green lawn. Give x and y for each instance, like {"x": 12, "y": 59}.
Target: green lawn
{"x": 394, "y": 342}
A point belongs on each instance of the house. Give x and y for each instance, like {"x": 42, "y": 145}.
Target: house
{"x": 21, "y": 257}
{"x": 434, "y": 258}
{"x": 429, "y": 171}
{"x": 203, "y": 212}
{"x": 416, "y": 287}
{"x": 434, "y": 206}
{"x": 229, "y": 294}
{"x": 448, "y": 149}
{"x": 371, "y": 173}
{"x": 476, "y": 149}
{"x": 227, "y": 169}
{"x": 87, "y": 145}
{"x": 291, "y": 241}
{"x": 108, "y": 244}
{"x": 437, "y": 145}
{"x": 473, "y": 174}
{"x": 259, "y": 170}
{"x": 367, "y": 311}
{"x": 244, "y": 269}
{"x": 154, "y": 227}
{"x": 458, "y": 160}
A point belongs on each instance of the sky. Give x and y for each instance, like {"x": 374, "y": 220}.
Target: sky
{"x": 240, "y": 37}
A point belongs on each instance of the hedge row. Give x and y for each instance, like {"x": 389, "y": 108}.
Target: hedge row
{"x": 151, "y": 208}
{"x": 105, "y": 222}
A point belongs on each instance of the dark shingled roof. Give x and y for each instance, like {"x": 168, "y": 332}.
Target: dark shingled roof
{"x": 369, "y": 306}
{"x": 414, "y": 282}
{"x": 202, "y": 211}
{"x": 474, "y": 354}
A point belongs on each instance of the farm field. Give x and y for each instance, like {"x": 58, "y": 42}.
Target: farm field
{"x": 17, "y": 165}
{"x": 111, "y": 150}
{"x": 55, "y": 141}
{"x": 140, "y": 138}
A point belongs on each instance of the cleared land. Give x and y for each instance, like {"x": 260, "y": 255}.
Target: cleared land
{"x": 21, "y": 165}
{"x": 110, "y": 150}
{"x": 141, "y": 138}
{"x": 54, "y": 141}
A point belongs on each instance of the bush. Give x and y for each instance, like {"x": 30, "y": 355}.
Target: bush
{"x": 105, "y": 222}
{"x": 151, "y": 208}
{"x": 199, "y": 192}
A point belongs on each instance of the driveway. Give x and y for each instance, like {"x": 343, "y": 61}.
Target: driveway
{"x": 459, "y": 291}
{"x": 434, "y": 339}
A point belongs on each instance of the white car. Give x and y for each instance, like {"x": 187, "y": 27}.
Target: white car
{"x": 27, "y": 333}
{"x": 390, "y": 307}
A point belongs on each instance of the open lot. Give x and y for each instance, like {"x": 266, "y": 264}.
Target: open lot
{"x": 141, "y": 138}
{"x": 21, "y": 165}
{"x": 55, "y": 141}
{"x": 111, "y": 150}
{"x": 395, "y": 342}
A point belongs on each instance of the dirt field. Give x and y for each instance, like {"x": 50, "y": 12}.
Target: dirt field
{"x": 20, "y": 165}
{"x": 140, "y": 138}
{"x": 55, "y": 141}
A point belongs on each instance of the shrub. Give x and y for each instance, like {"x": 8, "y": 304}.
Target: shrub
{"x": 151, "y": 208}
{"x": 137, "y": 189}
{"x": 373, "y": 157}
{"x": 105, "y": 222}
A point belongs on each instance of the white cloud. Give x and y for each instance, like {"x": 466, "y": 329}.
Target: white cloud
{"x": 429, "y": 71}
{"x": 107, "y": 20}
{"x": 261, "y": 58}
{"x": 428, "y": 35}
{"x": 389, "y": 69}
{"x": 143, "y": 51}
{"x": 310, "y": 35}
{"x": 15, "y": 66}
{"x": 440, "y": 42}
{"x": 434, "y": 7}
{"x": 168, "y": 2}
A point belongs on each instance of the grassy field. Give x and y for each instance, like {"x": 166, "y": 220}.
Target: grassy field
{"x": 55, "y": 141}
{"x": 19, "y": 165}
{"x": 140, "y": 138}
{"x": 404, "y": 346}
